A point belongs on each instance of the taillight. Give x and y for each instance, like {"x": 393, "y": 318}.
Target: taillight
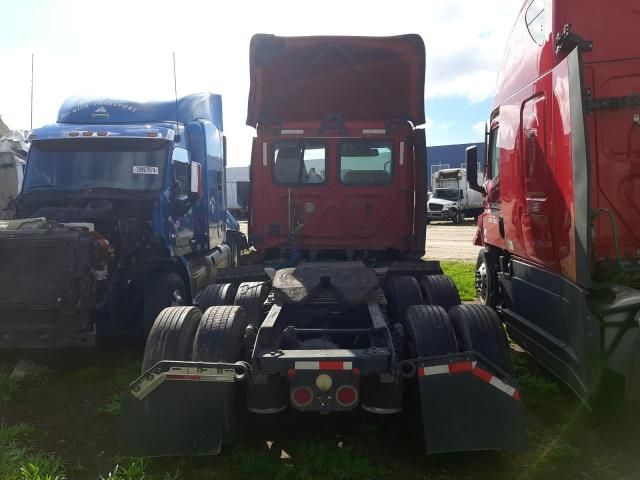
{"x": 301, "y": 396}
{"x": 346, "y": 396}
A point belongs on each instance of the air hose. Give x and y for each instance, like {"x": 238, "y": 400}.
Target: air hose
{"x": 614, "y": 224}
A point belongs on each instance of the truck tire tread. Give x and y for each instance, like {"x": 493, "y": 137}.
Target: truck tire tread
{"x": 439, "y": 290}
{"x": 402, "y": 292}
{"x": 479, "y": 329}
{"x": 429, "y": 331}
{"x": 251, "y": 297}
{"x": 214, "y": 295}
{"x": 171, "y": 336}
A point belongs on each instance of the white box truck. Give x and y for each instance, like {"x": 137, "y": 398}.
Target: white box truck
{"x": 452, "y": 199}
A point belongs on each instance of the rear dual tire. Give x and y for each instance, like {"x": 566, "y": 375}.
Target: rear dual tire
{"x": 431, "y": 331}
{"x": 479, "y": 329}
{"x": 185, "y": 333}
{"x": 215, "y": 294}
{"x": 439, "y": 290}
{"x": 171, "y": 336}
{"x": 220, "y": 338}
{"x": 165, "y": 290}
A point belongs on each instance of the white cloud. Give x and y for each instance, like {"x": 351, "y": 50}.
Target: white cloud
{"x": 125, "y": 49}
{"x": 478, "y": 127}
{"x": 446, "y": 125}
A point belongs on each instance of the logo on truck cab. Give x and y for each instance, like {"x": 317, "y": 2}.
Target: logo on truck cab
{"x": 100, "y": 112}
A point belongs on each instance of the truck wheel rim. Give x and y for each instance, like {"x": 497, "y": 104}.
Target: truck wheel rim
{"x": 481, "y": 282}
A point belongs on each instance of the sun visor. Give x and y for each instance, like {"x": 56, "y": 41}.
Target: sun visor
{"x": 360, "y": 78}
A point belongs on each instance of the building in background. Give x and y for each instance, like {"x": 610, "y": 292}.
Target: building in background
{"x": 450, "y": 156}
{"x": 238, "y": 191}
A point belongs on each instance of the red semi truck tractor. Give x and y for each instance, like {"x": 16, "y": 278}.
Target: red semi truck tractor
{"x": 339, "y": 312}
{"x": 561, "y": 227}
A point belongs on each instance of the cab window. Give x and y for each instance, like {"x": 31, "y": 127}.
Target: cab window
{"x": 297, "y": 163}
{"x": 365, "y": 162}
{"x": 534, "y": 19}
{"x": 494, "y": 153}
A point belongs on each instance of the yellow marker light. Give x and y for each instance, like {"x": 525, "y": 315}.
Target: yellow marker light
{"x": 324, "y": 382}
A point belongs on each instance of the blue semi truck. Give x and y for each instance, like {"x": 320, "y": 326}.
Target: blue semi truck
{"x": 122, "y": 213}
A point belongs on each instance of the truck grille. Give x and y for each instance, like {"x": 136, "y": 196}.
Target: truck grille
{"x": 435, "y": 207}
{"x": 44, "y": 268}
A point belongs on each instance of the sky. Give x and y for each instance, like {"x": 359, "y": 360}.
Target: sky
{"x": 123, "y": 49}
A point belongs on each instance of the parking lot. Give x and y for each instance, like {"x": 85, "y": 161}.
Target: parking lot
{"x": 446, "y": 241}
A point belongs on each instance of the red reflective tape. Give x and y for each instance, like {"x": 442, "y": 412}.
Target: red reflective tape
{"x": 175, "y": 376}
{"x": 460, "y": 367}
{"x": 482, "y": 374}
{"x": 516, "y": 395}
{"x": 421, "y": 372}
{"x": 331, "y": 365}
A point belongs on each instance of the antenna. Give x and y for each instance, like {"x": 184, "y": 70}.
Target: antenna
{"x": 31, "y": 106}
{"x": 175, "y": 92}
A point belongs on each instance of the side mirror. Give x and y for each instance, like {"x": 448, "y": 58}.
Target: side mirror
{"x": 196, "y": 180}
{"x": 472, "y": 169}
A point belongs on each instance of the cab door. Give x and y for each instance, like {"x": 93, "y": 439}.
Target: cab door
{"x": 493, "y": 222}
{"x": 183, "y": 221}
{"x": 545, "y": 305}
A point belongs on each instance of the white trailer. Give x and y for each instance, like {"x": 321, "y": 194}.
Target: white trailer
{"x": 13, "y": 154}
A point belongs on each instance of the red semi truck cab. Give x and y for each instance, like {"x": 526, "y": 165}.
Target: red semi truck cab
{"x": 337, "y": 164}
{"x": 561, "y": 228}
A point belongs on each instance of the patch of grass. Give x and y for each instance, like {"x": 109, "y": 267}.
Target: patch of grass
{"x": 131, "y": 470}
{"x": 112, "y": 407}
{"x": 537, "y": 387}
{"x": 90, "y": 374}
{"x": 19, "y": 462}
{"x": 253, "y": 462}
{"x": 319, "y": 460}
{"x": 124, "y": 376}
{"x": 40, "y": 467}
{"x": 310, "y": 460}
{"x": 463, "y": 275}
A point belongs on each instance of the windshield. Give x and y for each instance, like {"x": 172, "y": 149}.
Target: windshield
{"x": 446, "y": 194}
{"x": 128, "y": 164}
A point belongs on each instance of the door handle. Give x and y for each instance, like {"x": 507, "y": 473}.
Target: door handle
{"x": 501, "y": 226}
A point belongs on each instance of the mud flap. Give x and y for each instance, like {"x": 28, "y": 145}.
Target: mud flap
{"x": 466, "y": 405}
{"x": 178, "y": 408}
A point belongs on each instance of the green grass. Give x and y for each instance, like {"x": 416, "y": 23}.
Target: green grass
{"x": 309, "y": 460}
{"x": 19, "y": 462}
{"x": 132, "y": 470}
{"x": 9, "y": 388}
{"x": 112, "y": 407}
{"x": 463, "y": 275}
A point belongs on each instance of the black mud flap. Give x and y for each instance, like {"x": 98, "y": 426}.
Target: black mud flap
{"x": 466, "y": 405}
{"x": 178, "y": 408}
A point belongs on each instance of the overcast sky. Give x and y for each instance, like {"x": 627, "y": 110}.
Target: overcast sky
{"x": 123, "y": 49}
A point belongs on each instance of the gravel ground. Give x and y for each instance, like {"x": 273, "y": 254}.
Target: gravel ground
{"x": 446, "y": 241}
